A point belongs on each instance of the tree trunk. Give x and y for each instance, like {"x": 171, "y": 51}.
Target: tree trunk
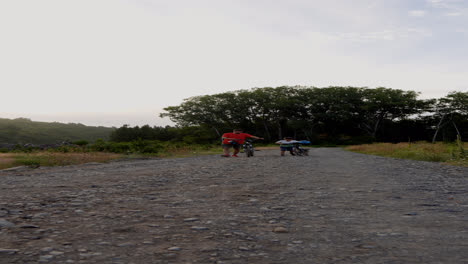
{"x": 376, "y": 127}
{"x": 217, "y": 131}
{"x": 437, "y": 129}
{"x": 266, "y": 130}
{"x": 280, "y": 132}
{"x": 458, "y": 132}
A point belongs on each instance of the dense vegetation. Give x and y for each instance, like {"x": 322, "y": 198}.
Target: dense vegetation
{"x": 185, "y": 134}
{"x": 23, "y": 131}
{"x": 336, "y": 115}
{"x": 342, "y": 115}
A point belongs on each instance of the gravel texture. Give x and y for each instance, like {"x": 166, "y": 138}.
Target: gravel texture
{"x": 330, "y": 207}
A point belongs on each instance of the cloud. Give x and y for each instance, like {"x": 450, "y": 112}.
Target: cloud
{"x": 383, "y": 35}
{"x": 453, "y": 14}
{"x": 417, "y": 13}
{"x": 454, "y": 5}
{"x": 138, "y": 56}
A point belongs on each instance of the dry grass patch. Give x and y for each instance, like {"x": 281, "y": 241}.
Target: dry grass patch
{"x": 6, "y": 160}
{"x": 54, "y": 158}
{"x": 454, "y": 154}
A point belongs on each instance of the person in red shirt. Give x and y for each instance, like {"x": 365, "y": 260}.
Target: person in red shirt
{"x": 234, "y": 140}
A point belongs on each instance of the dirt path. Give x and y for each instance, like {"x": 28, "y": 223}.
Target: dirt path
{"x": 331, "y": 207}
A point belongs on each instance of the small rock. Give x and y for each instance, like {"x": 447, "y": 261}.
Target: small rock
{"x": 127, "y": 244}
{"x": 5, "y": 223}
{"x": 86, "y": 255}
{"x": 192, "y": 219}
{"x": 412, "y": 213}
{"x": 45, "y": 258}
{"x": 28, "y": 226}
{"x": 244, "y": 248}
{"x": 148, "y": 242}
{"x": 16, "y": 212}
{"x": 47, "y": 249}
{"x": 174, "y": 249}
{"x": 280, "y": 229}
{"x": 56, "y": 253}
{"x": 199, "y": 228}
{"x": 41, "y": 215}
{"x": 40, "y": 231}
{"x": 8, "y": 251}
{"x": 170, "y": 255}
{"x": 365, "y": 246}
{"x": 278, "y": 208}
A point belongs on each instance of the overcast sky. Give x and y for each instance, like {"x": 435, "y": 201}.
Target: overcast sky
{"x": 115, "y": 62}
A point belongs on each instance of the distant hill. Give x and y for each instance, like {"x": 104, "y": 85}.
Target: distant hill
{"x": 23, "y": 130}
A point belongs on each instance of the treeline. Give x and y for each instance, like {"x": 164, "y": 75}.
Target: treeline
{"x": 186, "y": 134}
{"x": 343, "y": 115}
{"x": 25, "y": 131}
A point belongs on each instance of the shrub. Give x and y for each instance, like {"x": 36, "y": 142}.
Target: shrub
{"x": 81, "y": 143}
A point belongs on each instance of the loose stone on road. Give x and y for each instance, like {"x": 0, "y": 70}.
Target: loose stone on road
{"x": 330, "y": 207}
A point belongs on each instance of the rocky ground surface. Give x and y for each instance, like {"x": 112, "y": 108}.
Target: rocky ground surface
{"x": 330, "y": 207}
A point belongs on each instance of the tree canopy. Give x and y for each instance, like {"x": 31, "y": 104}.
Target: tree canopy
{"x": 314, "y": 113}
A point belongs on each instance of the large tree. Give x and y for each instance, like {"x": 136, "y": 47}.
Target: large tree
{"x": 331, "y": 111}
{"x": 449, "y": 109}
{"x": 388, "y": 104}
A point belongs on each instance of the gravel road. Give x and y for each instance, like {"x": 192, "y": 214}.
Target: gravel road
{"x": 330, "y": 207}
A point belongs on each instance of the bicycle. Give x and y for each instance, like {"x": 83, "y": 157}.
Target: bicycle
{"x": 300, "y": 151}
{"x": 248, "y": 148}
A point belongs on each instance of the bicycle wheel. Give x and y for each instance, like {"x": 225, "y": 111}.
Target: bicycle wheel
{"x": 298, "y": 152}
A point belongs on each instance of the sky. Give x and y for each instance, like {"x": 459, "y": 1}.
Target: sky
{"x": 116, "y": 62}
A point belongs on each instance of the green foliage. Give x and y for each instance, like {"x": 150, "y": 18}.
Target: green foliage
{"x": 187, "y": 134}
{"x": 81, "y": 142}
{"x": 30, "y": 161}
{"x": 331, "y": 115}
{"x": 342, "y": 114}
{"x": 460, "y": 148}
{"x": 451, "y": 113}
{"x": 136, "y": 146}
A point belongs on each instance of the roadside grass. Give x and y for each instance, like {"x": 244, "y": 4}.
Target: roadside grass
{"x": 36, "y": 159}
{"x": 44, "y": 158}
{"x": 449, "y": 153}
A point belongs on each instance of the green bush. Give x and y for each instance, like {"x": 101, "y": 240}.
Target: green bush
{"x": 81, "y": 142}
